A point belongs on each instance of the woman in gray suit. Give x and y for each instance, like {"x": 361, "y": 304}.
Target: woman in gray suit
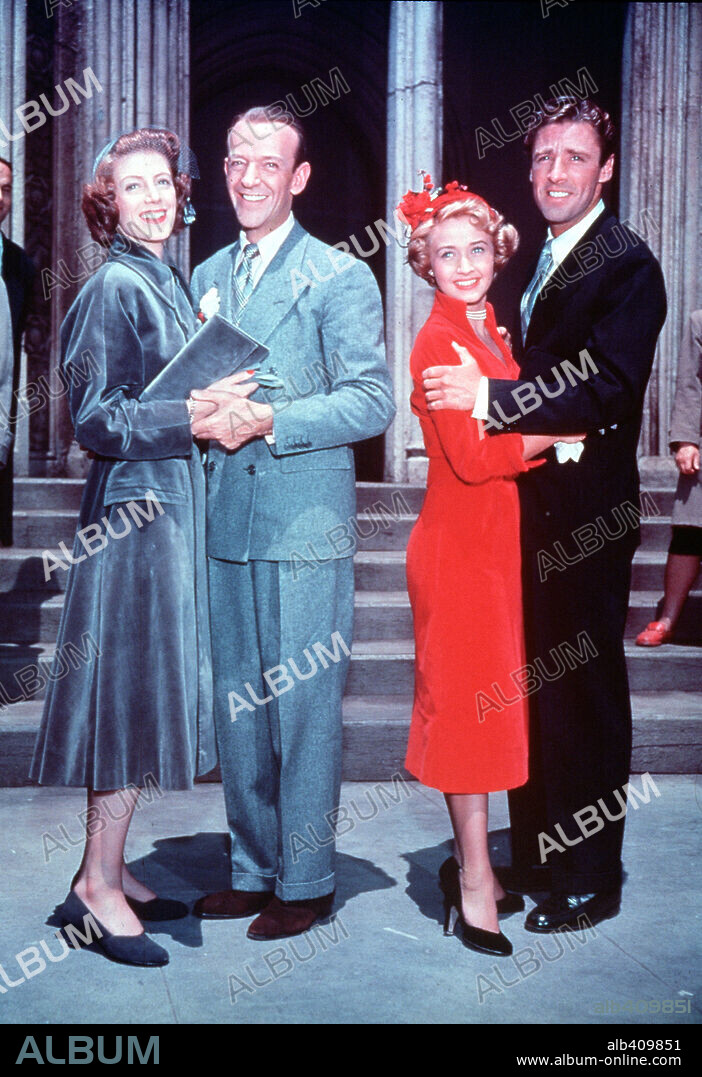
{"x": 685, "y": 552}
{"x": 138, "y": 710}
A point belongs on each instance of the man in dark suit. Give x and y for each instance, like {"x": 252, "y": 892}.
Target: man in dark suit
{"x": 591, "y": 316}
{"x": 17, "y": 273}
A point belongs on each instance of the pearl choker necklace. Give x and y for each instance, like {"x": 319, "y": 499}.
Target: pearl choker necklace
{"x": 476, "y": 315}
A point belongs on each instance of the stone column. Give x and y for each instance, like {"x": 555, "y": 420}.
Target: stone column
{"x": 415, "y": 118}
{"x": 660, "y": 175}
{"x": 139, "y": 53}
{"x": 13, "y": 18}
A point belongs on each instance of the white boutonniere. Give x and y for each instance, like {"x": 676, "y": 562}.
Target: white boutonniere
{"x": 209, "y": 304}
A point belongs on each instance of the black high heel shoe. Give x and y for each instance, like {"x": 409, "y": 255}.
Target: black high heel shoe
{"x": 493, "y": 943}
{"x": 448, "y": 877}
{"x": 137, "y": 950}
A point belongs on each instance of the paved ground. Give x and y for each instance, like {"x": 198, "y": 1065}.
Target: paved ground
{"x": 384, "y": 959}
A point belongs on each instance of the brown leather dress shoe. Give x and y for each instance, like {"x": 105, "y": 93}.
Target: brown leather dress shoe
{"x": 231, "y": 904}
{"x": 283, "y": 918}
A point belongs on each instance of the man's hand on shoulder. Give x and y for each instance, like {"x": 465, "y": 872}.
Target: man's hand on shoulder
{"x": 453, "y": 386}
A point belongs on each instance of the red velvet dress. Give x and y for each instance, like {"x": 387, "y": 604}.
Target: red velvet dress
{"x": 469, "y": 721}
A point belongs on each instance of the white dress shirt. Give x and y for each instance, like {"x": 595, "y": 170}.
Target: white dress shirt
{"x": 561, "y": 247}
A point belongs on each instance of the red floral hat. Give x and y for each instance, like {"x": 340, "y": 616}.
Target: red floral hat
{"x": 418, "y": 206}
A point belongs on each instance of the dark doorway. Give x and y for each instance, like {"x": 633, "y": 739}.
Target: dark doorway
{"x": 498, "y": 57}
{"x": 255, "y": 53}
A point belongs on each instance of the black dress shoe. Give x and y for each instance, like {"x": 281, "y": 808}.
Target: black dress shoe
{"x": 575, "y": 911}
{"x": 158, "y": 909}
{"x": 450, "y": 883}
{"x": 137, "y": 950}
{"x": 532, "y": 879}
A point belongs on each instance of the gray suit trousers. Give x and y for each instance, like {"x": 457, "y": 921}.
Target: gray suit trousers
{"x": 281, "y": 649}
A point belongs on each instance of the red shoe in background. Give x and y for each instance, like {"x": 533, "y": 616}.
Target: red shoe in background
{"x": 654, "y": 634}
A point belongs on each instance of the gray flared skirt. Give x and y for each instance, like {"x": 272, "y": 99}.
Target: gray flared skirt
{"x": 130, "y": 692}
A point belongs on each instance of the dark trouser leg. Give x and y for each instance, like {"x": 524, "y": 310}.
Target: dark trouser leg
{"x": 583, "y": 716}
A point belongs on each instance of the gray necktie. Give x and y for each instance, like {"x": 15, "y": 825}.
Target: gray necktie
{"x": 243, "y": 279}
{"x": 543, "y": 268}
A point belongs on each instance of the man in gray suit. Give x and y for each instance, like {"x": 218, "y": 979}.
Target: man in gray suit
{"x": 281, "y": 490}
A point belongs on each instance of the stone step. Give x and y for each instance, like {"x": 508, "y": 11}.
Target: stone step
{"x": 22, "y": 569}
{"x": 644, "y": 606}
{"x": 381, "y": 526}
{"x": 33, "y": 616}
{"x": 42, "y": 493}
{"x": 383, "y": 667}
{"x": 65, "y": 494}
{"x": 30, "y": 616}
{"x": 648, "y": 570}
{"x": 49, "y": 493}
{"x": 386, "y": 667}
{"x": 45, "y": 528}
{"x": 667, "y": 733}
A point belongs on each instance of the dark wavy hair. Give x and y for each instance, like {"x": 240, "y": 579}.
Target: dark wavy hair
{"x": 575, "y": 110}
{"x": 98, "y": 202}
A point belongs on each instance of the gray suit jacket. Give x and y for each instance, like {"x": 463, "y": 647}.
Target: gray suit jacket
{"x": 686, "y": 421}
{"x": 319, "y": 313}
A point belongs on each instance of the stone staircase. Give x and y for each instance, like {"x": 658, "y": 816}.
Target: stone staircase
{"x": 666, "y": 682}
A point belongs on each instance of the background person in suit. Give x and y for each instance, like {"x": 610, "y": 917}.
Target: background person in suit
{"x": 6, "y": 365}
{"x": 596, "y": 289}
{"x": 281, "y": 566}
{"x": 685, "y": 552}
{"x": 18, "y": 274}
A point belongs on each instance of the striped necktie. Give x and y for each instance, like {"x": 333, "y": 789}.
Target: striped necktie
{"x": 244, "y": 279}
{"x": 543, "y": 268}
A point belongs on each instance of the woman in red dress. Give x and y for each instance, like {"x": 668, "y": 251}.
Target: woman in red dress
{"x": 468, "y": 735}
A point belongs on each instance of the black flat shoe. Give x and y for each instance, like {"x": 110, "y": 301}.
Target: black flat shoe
{"x": 137, "y": 950}
{"x": 574, "y": 911}
{"x": 158, "y": 909}
{"x": 450, "y": 884}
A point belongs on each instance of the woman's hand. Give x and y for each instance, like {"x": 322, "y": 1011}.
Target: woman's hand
{"x": 687, "y": 458}
{"x": 233, "y": 383}
{"x": 569, "y": 439}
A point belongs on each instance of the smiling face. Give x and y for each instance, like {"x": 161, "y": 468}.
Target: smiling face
{"x": 145, "y": 197}
{"x": 5, "y": 191}
{"x": 261, "y": 175}
{"x": 462, "y": 259}
{"x": 566, "y": 174}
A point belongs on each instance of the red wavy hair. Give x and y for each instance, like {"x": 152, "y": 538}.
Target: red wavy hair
{"x": 98, "y": 201}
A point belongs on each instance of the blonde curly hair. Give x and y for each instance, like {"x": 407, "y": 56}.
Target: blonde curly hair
{"x": 505, "y": 237}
